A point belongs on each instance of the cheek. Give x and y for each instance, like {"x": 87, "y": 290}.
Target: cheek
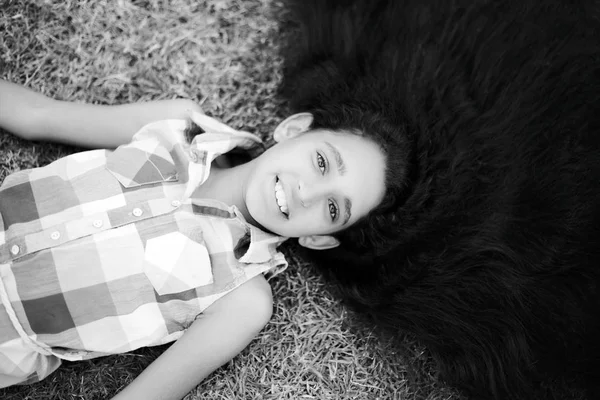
{"x": 255, "y": 198}
{"x": 310, "y": 222}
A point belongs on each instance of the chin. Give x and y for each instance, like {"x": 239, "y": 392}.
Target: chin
{"x": 264, "y": 223}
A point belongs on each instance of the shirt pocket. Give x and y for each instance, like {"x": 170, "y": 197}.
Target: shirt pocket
{"x": 142, "y": 162}
{"x": 174, "y": 263}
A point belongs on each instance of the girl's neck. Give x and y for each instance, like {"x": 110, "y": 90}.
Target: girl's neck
{"x": 227, "y": 185}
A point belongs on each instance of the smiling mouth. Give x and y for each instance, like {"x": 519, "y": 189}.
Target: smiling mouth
{"x": 281, "y": 198}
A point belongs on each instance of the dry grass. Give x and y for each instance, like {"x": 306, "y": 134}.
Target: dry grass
{"x": 222, "y": 53}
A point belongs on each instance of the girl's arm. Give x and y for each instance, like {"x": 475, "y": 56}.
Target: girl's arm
{"x": 217, "y": 336}
{"x": 33, "y": 116}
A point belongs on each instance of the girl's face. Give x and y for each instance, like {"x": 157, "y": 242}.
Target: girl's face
{"x": 316, "y": 183}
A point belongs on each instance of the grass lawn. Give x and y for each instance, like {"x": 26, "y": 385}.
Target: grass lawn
{"x": 223, "y": 54}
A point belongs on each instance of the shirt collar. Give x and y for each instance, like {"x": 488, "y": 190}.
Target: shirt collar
{"x": 218, "y": 139}
{"x": 221, "y": 138}
{"x": 262, "y": 245}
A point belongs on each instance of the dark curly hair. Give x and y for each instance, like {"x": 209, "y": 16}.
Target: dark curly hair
{"x": 486, "y": 247}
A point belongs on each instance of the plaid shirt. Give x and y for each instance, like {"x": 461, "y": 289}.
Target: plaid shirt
{"x": 107, "y": 251}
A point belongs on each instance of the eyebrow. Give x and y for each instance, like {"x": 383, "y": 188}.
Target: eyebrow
{"x": 338, "y": 158}
{"x": 348, "y": 207}
{"x": 341, "y": 167}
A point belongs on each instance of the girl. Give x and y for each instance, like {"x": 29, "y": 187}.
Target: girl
{"x": 106, "y": 251}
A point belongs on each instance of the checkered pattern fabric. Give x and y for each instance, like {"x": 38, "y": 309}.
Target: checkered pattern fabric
{"x": 104, "y": 252}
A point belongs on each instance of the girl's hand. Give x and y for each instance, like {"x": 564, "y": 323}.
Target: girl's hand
{"x": 33, "y": 116}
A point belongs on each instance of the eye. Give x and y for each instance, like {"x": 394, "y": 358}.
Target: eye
{"x": 333, "y": 210}
{"x": 321, "y": 163}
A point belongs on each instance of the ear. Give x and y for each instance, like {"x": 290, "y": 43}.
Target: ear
{"x": 292, "y": 126}
{"x": 319, "y": 242}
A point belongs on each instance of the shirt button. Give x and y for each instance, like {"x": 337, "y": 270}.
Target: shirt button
{"x": 55, "y": 235}
{"x": 15, "y": 250}
{"x": 175, "y": 203}
{"x": 137, "y": 212}
{"x": 97, "y": 223}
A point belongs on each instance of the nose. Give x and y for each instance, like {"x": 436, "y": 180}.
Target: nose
{"x": 309, "y": 193}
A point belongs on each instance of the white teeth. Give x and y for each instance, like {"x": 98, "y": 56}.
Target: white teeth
{"x": 280, "y": 196}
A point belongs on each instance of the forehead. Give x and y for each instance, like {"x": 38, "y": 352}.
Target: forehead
{"x": 360, "y": 167}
